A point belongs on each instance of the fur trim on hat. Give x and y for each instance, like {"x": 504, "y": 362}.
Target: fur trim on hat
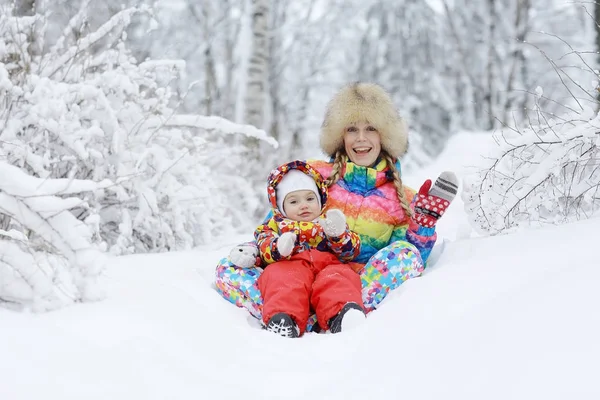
{"x": 367, "y": 102}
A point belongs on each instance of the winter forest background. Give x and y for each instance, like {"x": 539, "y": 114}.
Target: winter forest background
{"x": 150, "y": 126}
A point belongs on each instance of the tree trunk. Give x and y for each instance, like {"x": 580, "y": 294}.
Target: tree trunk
{"x": 275, "y": 75}
{"x": 256, "y": 92}
{"x": 24, "y": 8}
{"x": 211, "y": 87}
{"x": 490, "y": 96}
{"x": 518, "y": 70}
{"x": 230, "y": 65}
{"x": 597, "y": 28}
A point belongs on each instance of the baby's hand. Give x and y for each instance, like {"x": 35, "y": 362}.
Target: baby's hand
{"x": 244, "y": 256}
{"x": 286, "y": 243}
{"x": 334, "y": 223}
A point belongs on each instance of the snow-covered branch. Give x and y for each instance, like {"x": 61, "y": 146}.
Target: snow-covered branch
{"x": 16, "y": 183}
{"x": 119, "y": 21}
{"x": 542, "y": 175}
{"x": 210, "y": 123}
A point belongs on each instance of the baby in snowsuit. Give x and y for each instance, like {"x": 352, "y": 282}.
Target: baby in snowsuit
{"x": 305, "y": 250}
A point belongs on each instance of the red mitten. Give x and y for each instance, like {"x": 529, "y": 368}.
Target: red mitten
{"x": 427, "y": 208}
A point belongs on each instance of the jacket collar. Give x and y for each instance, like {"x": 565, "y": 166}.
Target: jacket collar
{"x": 362, "y": 179}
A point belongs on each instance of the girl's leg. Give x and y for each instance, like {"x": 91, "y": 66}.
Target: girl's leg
{"x": 239, "y": 286}
{"x": 388, "y": 269}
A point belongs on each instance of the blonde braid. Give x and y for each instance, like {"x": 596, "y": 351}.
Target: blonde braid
{"x": 338, "y": 162}
{"x": 398, "y": 184}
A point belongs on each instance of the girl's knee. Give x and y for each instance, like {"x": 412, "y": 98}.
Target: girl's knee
{"x": 400, "y": 254}
{"x": 387, "y": 270}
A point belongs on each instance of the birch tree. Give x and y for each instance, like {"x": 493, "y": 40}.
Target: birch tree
{"x": 597, "y": 40}
{"x": 519, "y": 71}
{"x": 256, "y": 88}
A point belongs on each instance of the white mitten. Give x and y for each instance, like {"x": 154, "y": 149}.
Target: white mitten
{"x": 285, "y": 243}
{"x": 243, "y": 256}
{"x": 334, "y": 223}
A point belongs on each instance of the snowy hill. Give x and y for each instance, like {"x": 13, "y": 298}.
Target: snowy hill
{"x": 508, "y": 317}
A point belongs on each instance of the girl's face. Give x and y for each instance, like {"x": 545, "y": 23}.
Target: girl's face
{"x": 301, "y": 205}
{"x": 362, "y": 143}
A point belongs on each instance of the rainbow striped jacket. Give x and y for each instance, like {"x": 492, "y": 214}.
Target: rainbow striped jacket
{"x": 367, "y": 196}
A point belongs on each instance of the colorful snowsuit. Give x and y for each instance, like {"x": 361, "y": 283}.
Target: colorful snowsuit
{"x": 393, "y": 247}
{"x": 310, "y": 234}
{"x": 314, "y": 274}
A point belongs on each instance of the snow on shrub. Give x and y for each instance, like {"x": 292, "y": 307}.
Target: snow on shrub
{"x": 84, "y": 111}
{"x": 47, "y": 256}
{"x": 546, "y": 174}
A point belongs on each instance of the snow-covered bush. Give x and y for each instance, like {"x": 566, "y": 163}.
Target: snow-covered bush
{"x": 102, "y": 160}
{"x": 89, "y": 111}
{"x": 546, "y": 174}
{"x": 47, "y": 256}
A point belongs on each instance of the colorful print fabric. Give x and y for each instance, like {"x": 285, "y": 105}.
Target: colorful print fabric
{"x": 387, "y": 270}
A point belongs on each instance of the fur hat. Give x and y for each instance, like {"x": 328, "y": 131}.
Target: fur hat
{"x": 292, "y": 181}
{"x": 364, "y": 102}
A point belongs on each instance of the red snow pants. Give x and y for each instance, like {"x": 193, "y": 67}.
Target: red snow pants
{"x": 311, "y": 279}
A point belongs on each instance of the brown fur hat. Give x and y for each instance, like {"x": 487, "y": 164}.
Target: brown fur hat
{"x": 364, "y": 102}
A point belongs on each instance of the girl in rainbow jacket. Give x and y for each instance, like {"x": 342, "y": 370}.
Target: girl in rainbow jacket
{"x": 365, "y": 137}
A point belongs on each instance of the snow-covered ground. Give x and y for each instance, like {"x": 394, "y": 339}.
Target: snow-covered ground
{"x": 508, "y": 317}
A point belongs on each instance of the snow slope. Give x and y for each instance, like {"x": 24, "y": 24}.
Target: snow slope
{"x": 510, "y": 317}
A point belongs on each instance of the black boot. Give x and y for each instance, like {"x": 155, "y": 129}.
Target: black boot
{"x": 282, "y": 324}
{"x": 335, "y": 323}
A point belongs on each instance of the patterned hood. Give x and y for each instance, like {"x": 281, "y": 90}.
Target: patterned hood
{"x": 277, "y": 175}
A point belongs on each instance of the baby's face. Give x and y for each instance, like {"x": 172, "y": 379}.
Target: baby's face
{"x": 302, "y": 205}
